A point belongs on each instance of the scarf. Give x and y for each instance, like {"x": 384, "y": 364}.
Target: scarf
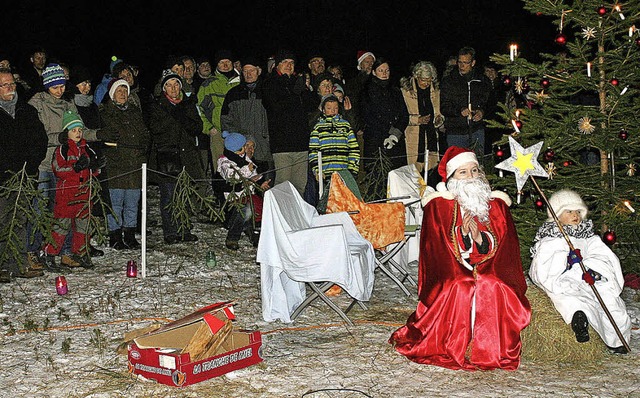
{"x": 174, "y": 101}
{"x": 10, "y": 106}
{"x": 583, "y": 230}
{"x": 83, "y": 100}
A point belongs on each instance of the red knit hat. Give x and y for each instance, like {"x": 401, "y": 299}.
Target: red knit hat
{"x": 453, "y": 158}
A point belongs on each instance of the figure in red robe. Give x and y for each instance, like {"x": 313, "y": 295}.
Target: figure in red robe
{"x": 471, "y": 287}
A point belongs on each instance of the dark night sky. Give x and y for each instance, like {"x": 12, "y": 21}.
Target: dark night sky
{"x": 144, "y": 33}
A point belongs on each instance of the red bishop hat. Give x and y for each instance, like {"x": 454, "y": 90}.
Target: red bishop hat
{"x": 453, "y": 158}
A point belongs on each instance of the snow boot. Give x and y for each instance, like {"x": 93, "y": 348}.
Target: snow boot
{"x": 130, "y": 238}
{"x": 580, "y": 326}
{"x": 115, "y": 240}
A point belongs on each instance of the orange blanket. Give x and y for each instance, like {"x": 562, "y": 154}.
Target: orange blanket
{"x": 380, "y": 223}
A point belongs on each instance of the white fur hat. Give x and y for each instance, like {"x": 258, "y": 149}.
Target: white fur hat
{"x": 566, "y": 199}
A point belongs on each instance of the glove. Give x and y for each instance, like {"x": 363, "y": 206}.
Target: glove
{"x": 590, "y": 277}
{"x": 574, "y": 257}
{"x": 108, "y": 135}
{"x": 390, "y": 141}
{"x": 81, "y": 164}
{"x": 97, "y": 162}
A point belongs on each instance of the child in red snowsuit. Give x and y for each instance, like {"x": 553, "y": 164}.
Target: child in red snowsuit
{"x": 72, "y": 166}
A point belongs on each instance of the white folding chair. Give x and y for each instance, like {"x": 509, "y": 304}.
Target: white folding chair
{"x": 298, "y": 247}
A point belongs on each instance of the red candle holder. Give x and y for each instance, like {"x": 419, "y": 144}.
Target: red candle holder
{"x": 132, "y": 269}
{"x": 61, "y": 285}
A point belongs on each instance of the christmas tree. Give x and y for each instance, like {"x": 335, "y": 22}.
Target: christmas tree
{"x": 583, "y": 101}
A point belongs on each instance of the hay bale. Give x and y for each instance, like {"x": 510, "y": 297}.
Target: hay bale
{"x": 549, "y": 339}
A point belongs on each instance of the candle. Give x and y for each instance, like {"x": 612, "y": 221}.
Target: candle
{"x": 617, "y": 8}
{"x": 61, "y": 285}
{"x": 628, "y": 204}
{"x": 517, "y": 114}
{"x": 588, "y": 69}
{"x": 515, "y": 125}
{"x": 132, "y": 269}
{"x": 211, "y": 259}
{"x": 631, "y": 30}
{"x": 624, "y": 90}
{"x": 513, "y": 52}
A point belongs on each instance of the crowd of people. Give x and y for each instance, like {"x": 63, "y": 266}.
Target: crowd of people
{"x": 289, "y": 113}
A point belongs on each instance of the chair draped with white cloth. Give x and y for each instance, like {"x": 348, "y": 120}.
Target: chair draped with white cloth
{"x": 406, "y": 183}
{"x": 298, "y": 246}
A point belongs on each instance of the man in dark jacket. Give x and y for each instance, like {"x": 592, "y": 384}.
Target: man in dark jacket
{"x": 465, "y": 95}
{"x": 24, "y": 144}
{"x": 175, "y": 125}
{"x": 287, "y": 98}
{"x": 243, "y": 112}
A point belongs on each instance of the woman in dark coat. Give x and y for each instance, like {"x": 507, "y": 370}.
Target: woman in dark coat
{"x": 385, "y": 118}
{"x": 125, "y": 159}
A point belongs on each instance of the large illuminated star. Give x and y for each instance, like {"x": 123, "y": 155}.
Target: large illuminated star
{"x": 523, "y": 162}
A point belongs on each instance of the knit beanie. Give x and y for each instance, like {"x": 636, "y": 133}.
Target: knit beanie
{"x": 53, "y": 75}
{"x": 71, "y": 120}
{"x": 114, "y": 61}
{"x": 233, "y": 141}
{"x": 114, "y": 84}
{"x": 79, "y": 74}
{"x": 281, "y": 55}
{"x": 327, "y": 98}
{"x": 220, "y": 55}
{"x": 167, "y": 75}
{"x": 566, "y": 199}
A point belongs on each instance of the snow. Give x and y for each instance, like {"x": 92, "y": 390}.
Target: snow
{"x": 75, "y": 356}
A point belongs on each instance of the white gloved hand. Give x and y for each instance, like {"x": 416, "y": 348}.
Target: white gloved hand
{"x": 390, "y": 141}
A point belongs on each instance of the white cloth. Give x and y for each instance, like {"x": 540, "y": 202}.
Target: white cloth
{"x": 569, "y": 293}
{"x": 407, "y": 181}
{"x": 297, "y": 245}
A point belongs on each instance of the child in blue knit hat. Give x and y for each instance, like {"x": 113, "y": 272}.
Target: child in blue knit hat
{"x": 240, "y": 175}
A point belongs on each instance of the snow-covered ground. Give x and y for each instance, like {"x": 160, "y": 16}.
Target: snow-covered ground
{"x": 317, "y": 356}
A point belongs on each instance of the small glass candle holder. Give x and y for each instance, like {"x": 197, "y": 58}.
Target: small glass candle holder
{"x": 211, "y": 259}
{"x": 132, "y": 269}
{"x": 61, "y": 285}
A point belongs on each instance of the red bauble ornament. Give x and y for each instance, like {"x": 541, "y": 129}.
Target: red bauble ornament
{"x": 518, "y": 124}
{"x": 549, "y": 155}
{"x": 614, "y": 82}
{"x": 638, "y": 42}
{"x": 506, "y": 81}
{"x": 499, "y": 153}
{"x": 601, "y": 11}
{"x": 545, "y": 83}
{"x": 609, "y": 237}
{"x": 567, "y": 163}
{"x": 561, "y": 39}
{"x": 539, "y": 204}
{"x": 623, "y": 135}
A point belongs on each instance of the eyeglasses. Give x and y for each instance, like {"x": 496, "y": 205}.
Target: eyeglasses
{"x": 5, "y": 85}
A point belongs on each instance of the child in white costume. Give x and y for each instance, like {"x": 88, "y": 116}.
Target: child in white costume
{"x": 557, "y": 271}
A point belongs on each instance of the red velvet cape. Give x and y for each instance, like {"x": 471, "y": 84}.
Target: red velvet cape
{"x": 439, "y": 331}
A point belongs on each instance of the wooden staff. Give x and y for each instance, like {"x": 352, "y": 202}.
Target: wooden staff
{"x": 584, "y": 269}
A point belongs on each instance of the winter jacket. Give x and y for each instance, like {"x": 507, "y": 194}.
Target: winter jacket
{"x": 334, "y": 137}
{"x": 211, "y": 97}
{"x": 243, "y": 112}
{"x": 125, "y": 159}
{"x": 175, "y": 126}
{"x": 457, "y": 92}
{"x": 233, "y": 169}
{"x": 383, "y": 108}
{"x": 72, "y": 196}
{"x": 50, "y": 111}
{"x": 23, "y": 140}
{"x": 287, "y": 101}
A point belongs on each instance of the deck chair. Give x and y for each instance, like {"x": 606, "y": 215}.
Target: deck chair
{"x": 298, "y": 247}
{"x": 382, "y": 224}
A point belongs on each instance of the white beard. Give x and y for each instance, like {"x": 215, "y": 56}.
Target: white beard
{"x": 473, "y": 195}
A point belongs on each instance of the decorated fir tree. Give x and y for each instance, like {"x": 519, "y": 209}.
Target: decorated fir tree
{"x": 583, "y": 101}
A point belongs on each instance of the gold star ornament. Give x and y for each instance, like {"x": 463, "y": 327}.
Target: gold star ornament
{"x": 523, "y": 162}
